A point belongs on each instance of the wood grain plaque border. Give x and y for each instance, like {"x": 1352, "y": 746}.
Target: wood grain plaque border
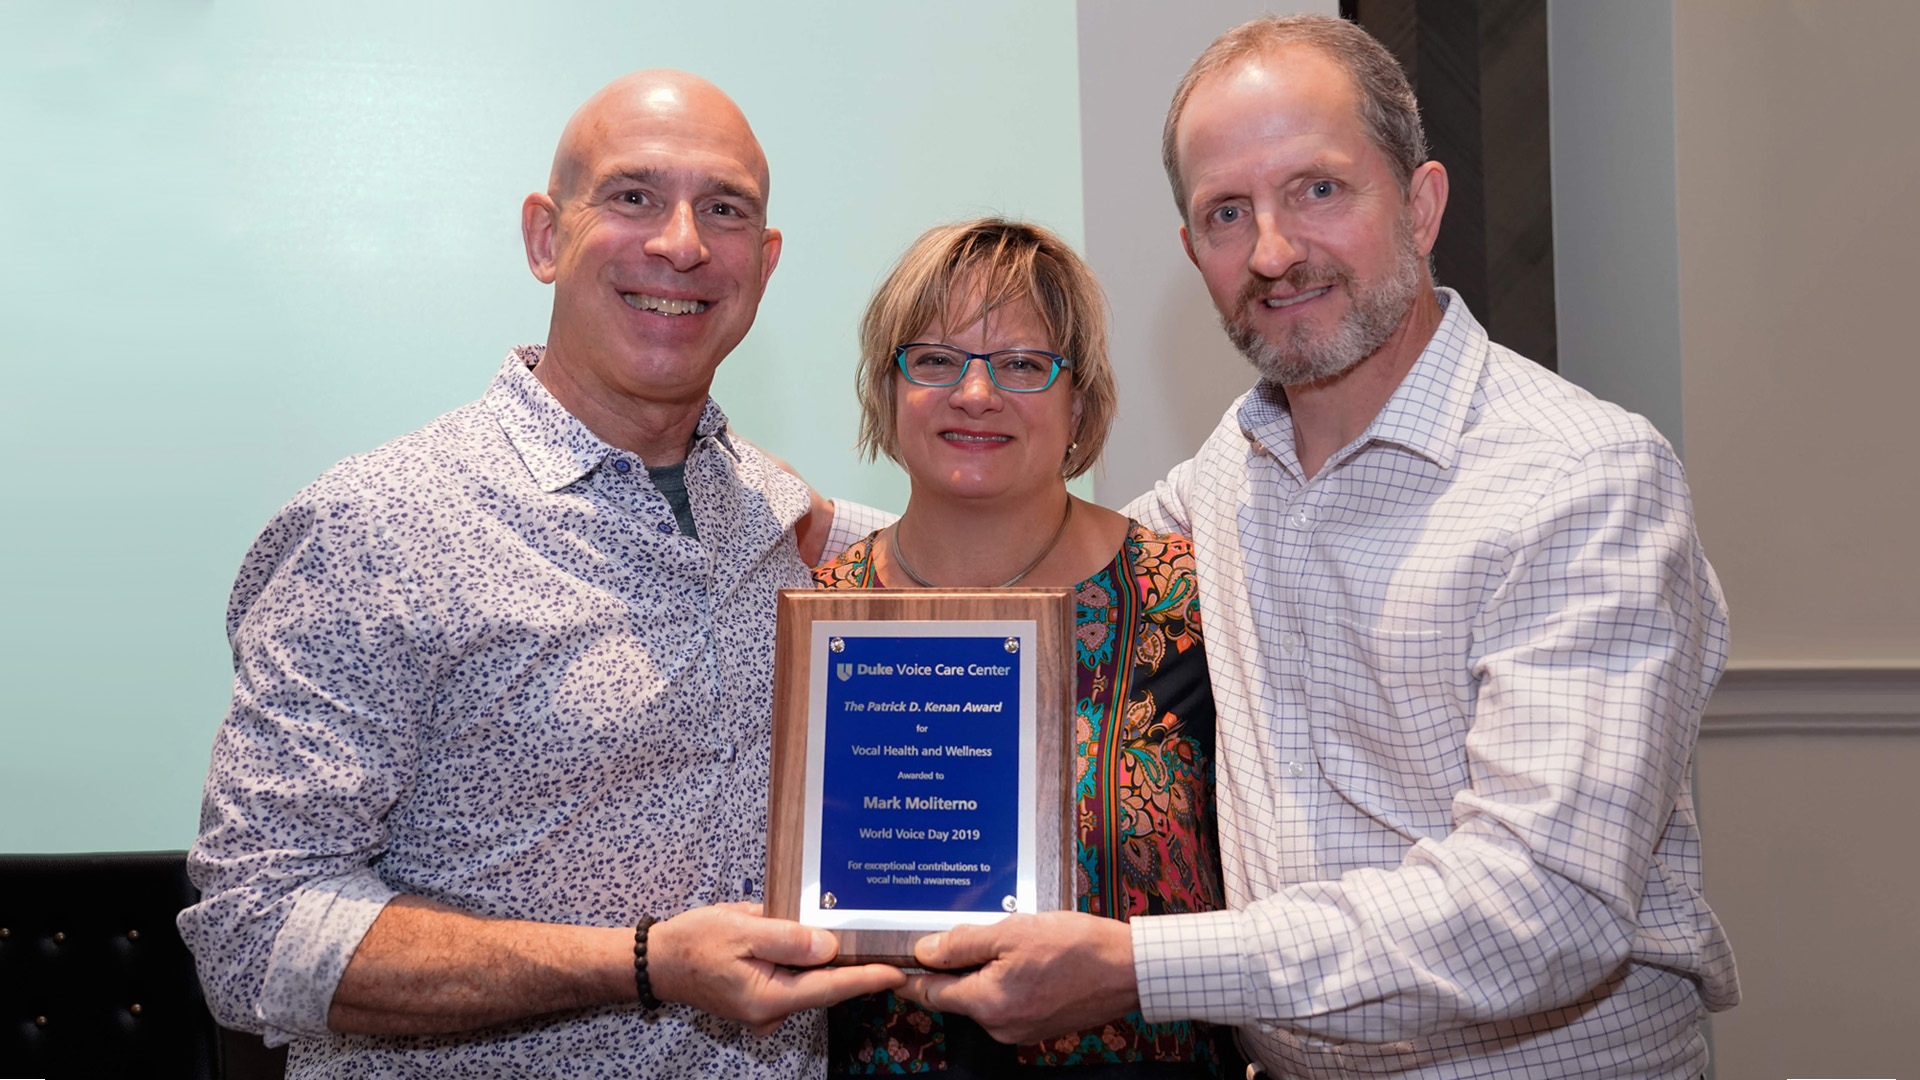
{"x": 1052, "y": 612}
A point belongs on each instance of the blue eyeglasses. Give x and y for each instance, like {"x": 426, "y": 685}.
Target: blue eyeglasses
{"x": 1020, "y": 371}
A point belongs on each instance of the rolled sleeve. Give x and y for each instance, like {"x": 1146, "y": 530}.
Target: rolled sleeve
{"x": 311, "y": 951}
{"x": 315, "y": 751}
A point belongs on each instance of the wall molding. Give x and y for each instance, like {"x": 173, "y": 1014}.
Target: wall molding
{"x": 1815, "y": 701}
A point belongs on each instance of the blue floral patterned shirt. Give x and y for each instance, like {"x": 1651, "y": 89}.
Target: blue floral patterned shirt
{"x": 481, "y": 664}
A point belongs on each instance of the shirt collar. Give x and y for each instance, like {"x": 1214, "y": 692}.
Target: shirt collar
{"x": 555, "y": 446}
{"x": 1427, "y": 414}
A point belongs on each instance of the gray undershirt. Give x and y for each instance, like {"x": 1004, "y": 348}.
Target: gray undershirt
{"x": 671, "y": 481}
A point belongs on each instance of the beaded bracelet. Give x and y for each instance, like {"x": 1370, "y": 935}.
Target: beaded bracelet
{"x": 641, "y": 982}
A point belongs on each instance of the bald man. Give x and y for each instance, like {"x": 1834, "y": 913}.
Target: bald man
{"x": 502, "y": 686}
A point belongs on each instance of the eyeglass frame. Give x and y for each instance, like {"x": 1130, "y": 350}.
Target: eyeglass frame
{"x": 1060, "y": 364}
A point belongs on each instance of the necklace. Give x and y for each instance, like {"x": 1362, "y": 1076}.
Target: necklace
{"x": 893, "y": 545}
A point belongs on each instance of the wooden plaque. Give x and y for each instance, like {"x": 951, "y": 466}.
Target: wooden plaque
{"x": 894, "y": 806}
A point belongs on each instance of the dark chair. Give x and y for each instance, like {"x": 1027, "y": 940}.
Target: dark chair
{"x": 95, "y": 981}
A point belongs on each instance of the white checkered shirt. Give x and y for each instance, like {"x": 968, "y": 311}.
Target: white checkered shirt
{"x": 1459, "y": 677}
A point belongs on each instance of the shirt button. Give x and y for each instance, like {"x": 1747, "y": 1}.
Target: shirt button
{"x": 621, "y": 466}
{"x": 726, "y": 753}
{"x": 1290, "y": 642}
{"x": 746, "y": 888}
{"x": 1302, "y": 517}
{"x": 1296, "y": 769}
{"x": 665, "y": 527}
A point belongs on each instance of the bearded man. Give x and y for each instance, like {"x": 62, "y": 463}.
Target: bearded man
{"x": 1460, "y": 632}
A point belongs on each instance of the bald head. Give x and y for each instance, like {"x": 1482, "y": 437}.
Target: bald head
{"x": 662, "y": 100}
{"x": 653, "y": 233}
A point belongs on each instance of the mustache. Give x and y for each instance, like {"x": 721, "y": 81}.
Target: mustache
{"x": 1299, "y": 277}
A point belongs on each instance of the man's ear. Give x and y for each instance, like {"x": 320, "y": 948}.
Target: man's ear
{"x": 770, "y": 243}
{"x": 1427, "y": 198}
{"x": 539, "y": 217}
{"x": 1186, "y": 245}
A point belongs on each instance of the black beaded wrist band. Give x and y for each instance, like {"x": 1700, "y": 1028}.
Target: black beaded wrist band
{"x": 641, "y": 983}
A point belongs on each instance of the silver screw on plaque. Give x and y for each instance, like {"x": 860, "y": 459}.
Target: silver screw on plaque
{"x": 1012, "y": 645}
{"x": 827, "y": 899}
{"x": 837, "y": 644}
{"x": 1008, "y": 903}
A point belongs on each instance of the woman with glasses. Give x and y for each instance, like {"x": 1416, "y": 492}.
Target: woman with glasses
{"x": 984, "y": 374}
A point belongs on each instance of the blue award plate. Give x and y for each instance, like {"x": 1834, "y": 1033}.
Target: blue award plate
{"x": 921, "y": 761}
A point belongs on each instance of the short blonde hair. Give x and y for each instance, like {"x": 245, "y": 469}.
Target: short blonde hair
{"x": 1000, "y": 262}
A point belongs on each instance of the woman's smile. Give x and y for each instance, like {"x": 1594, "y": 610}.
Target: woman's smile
{"x": 975, "y": 438}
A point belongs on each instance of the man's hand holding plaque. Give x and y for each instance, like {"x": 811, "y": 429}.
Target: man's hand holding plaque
{"x": 1036, "y": 976}
{"x": 726, "y": 960}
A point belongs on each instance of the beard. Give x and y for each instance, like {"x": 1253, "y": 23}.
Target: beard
{"x": 1302, "y": 356}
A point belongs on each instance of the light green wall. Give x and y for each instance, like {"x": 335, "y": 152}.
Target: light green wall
{"x": 243, "y": 240}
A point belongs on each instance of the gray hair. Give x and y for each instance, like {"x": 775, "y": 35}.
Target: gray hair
{"x": 1388, "y": 110}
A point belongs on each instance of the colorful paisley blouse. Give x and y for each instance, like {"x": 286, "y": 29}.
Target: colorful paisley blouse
{"x": 1147, "y": 842}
